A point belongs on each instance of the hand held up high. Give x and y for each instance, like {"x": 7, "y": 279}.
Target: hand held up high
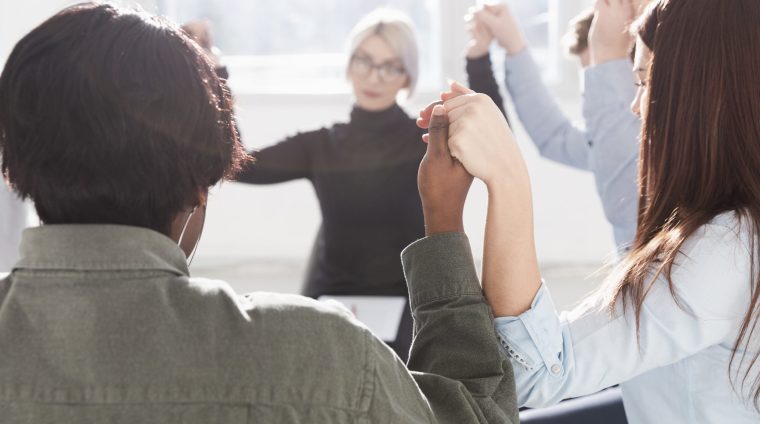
{"x": 608, "y": 36}
{"x": 480, "y": 37}
{"x": 456, "y": 89}
{"x": 442, "y": 181}
{"x": 482, "y": 141}
{"x": 499, "y": 21}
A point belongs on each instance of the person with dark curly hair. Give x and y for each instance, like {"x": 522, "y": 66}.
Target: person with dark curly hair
{"x": 115, "y": 124}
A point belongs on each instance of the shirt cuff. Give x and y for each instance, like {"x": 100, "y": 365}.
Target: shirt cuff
{"x": 438, "y": 267}
{"x": 534, "y": 337}
{"x": 609, "y": 83}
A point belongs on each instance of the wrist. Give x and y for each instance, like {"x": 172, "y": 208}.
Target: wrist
{"x": 513, "y": 44}
{"x": 505, "y": 187}
{"x": 475, "y": 53}
{"x": 603, "y": 55}
{"x": 446, "y": 221}
{"x": 440, "y": 228}
{"x": 516, "y": 48}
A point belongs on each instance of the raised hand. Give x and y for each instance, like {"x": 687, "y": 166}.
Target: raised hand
{"x": 608, "y": 37}
{"x": 500, "y": 22}
{"x": 443, "y": 182}
{"x": 480, "y": 37}
{"x": 480, "y": 138}
{"x": 456, "y": 89}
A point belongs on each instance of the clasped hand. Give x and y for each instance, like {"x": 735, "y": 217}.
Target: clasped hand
{"x": 468, "y": 137}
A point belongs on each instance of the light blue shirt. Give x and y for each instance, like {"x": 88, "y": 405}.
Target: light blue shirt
{"x": 608, "y": 143}
{"x": 677, "y": 370}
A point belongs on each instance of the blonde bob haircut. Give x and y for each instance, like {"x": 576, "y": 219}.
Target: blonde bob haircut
{"x": 396, "y": 29}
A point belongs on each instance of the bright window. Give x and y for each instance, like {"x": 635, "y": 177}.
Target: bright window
{"x": 539, "y": 20}
{"x": 297, "y": 45}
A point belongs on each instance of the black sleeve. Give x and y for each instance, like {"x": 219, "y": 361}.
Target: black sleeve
{"x": 481, "y": 79}
{"x": 287, "y": 160}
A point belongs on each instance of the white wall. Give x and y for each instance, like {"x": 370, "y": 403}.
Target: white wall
{"x": 18, "y": 17}
{"x": 280, "y": 221}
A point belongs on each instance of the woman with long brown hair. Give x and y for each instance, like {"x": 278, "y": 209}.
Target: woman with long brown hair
{"x": 676, "y": 324}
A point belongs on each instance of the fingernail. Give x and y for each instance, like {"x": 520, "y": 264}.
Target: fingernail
{"x": 438, "y": 110}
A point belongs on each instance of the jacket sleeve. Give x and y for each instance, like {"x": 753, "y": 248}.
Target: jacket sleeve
{"x": 287, "y": 160}
{"x": 456, "y": 359}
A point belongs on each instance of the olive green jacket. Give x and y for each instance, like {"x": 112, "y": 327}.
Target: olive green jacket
{"x": 102, "y": 324}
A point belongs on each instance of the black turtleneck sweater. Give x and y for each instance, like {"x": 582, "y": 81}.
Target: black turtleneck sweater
{"x": 365, "y": 177}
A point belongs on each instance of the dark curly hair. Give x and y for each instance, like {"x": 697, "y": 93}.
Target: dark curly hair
{"x": 113, "y": 116}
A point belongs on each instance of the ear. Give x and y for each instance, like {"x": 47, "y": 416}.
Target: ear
{"x": 203, "y": 196}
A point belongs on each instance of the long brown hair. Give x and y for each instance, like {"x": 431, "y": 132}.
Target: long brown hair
{"x": 700, "y": 144}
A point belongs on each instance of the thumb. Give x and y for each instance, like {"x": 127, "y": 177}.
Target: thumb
{"x": 425, "y": 113}
{"x": 438, "y": 133}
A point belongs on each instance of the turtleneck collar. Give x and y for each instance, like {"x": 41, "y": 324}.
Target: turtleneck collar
{"x": 378, "y": 121}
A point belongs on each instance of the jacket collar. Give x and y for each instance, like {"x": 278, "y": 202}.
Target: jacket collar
{"x": 83, "y": 247}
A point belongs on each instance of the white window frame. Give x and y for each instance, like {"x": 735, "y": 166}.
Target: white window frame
{"x": 450, "y": 60}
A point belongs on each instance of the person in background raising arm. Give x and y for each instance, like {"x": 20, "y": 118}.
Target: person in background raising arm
{"x": 607, "y": 142}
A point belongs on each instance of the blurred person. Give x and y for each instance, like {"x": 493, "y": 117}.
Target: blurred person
{"x": 364, "y": 171}
{"x": 575, "y": 39}
{"x": 100, "y": 319}
{"x": 607, "y": 142}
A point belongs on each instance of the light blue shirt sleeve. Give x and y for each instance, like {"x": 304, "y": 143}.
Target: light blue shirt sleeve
{"x": 607, "y": 146}
{"x": 554, "y": 134}
{"x": 614, "y": 132}
{"x": 558, "y": 356}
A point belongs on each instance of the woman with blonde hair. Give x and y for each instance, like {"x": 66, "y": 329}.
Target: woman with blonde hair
{"x": 364, "y": 172}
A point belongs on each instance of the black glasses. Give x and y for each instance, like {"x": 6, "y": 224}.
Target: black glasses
{"x": 387, "y": 71}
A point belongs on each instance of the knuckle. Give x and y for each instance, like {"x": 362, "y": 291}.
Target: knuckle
{"x": 481, "y": 98}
